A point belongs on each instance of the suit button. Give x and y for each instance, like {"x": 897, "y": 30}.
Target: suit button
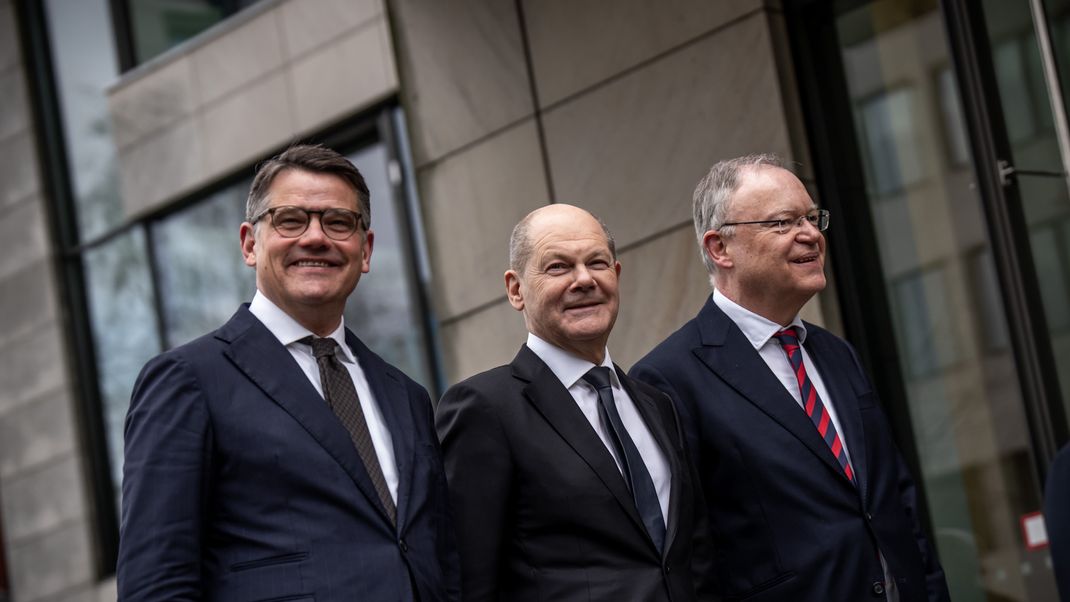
{"x": 668, "y": 569}
{"x": 869, "y": 516}
{"x": 878, "y": 588}
{"x": 404, "y": 546}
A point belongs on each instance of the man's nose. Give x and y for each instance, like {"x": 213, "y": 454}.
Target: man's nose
{"x": 584, "y": 278}
{"x": 314, "y": 233}
{"x": 806, "y": 229}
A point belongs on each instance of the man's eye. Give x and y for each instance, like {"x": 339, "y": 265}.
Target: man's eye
{"x": 556, "y": 268}
{"x": 599, "y": 264}
{"x": 289, "y": 221}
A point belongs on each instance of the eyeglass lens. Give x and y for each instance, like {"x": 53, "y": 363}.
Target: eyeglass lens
{"x": 338, "y": 224}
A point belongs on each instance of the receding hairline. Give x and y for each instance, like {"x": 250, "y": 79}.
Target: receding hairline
{"x": 520, "y": 244}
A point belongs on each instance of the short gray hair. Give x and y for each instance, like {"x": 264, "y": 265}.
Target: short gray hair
{"x": 714, "y": 191}
{"x": 314, "y": 158}
{"x": 520, "y": 242}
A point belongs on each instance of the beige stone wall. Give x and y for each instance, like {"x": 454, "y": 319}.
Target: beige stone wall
{"x": 44, "y": 504}
{"x": 258, "y": 81}
{"x": 617, "y": 106}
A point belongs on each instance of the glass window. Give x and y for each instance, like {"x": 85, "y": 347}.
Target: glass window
{"x": 83, "y": 58}
{"x": 958, "y": 146}
{"x": 158, "y": 25}
{"x": 383, "y": 311}
{"x": 1014, "y": 89}
{"x": 123, "y": 318}
{"x": 962, "y": 393}
{"x": 889, "y": 125}
{"x": 202, "y": 276}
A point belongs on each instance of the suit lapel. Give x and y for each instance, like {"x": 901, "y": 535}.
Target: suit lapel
{"x": 728, "y": 353}
{"x": 550, "y": 398}
{"x": 655, "y": 421}
{"x": 845, "y": 399}
{"x": 267, "y": 363}
{"x": 391, "y": 396}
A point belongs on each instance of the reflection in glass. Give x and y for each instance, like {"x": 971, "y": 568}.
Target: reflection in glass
{"x": 960, "y": 377}
{"x": 1045, "y": 199}
{"x": 1022, "y": 89}
{"x": 83, "y": 57}
{"x": 383, "y": 311}
{"x": 123, "y": 321}
{"x": 159, "y": 25}
{"x": 202, "y": 276}
{"x": 888, "y": 120}
{"x": 1047, "y": 210}
{"x": 958, "y": 147}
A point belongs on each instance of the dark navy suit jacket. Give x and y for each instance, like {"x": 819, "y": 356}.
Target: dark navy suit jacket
{"x": 787, "y": 523}
{"x": 240, "y": 484}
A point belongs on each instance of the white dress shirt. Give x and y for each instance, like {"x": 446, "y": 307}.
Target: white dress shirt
{"x": 759, "y": 331}
{"x": 570, "y": 369}
{"x": 289, "y": 332}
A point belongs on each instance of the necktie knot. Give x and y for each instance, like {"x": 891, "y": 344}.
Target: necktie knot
{"x": 787, "y": 338}
{"x": 598, "y": 377}
{"x": 321, "y": 347}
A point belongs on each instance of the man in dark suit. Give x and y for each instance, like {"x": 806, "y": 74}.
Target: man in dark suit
{"x": 568, "y": 480}
{"x": 808, "y": 498}
{"x": 278, "y": 458}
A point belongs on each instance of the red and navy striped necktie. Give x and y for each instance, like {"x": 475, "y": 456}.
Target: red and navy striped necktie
{"x": 815, "y": 409}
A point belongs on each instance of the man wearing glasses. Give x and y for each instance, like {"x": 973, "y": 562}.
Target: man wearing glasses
{"x": 278, "y": 458}
{"x": 807, "y": 495}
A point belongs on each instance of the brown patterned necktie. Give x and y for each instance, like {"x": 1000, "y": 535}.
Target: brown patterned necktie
{"x": 341, "y": 395}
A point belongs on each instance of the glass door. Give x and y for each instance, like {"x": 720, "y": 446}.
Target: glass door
{"x": 914, "y": 263}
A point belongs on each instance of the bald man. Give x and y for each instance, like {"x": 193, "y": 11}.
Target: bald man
{"x": 568, "y": 480}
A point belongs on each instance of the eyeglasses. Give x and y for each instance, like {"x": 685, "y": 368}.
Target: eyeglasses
{"x": 818, "y": 219}
{"x": 291, "y": 222}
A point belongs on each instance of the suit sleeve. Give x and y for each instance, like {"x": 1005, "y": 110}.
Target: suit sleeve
{"x": 935, "y": 580}
{"x": 478, "y": 472}
{"x": 702, "y": 544}
{"x": 165, "y": 475}
{"x": 447, "y": 539}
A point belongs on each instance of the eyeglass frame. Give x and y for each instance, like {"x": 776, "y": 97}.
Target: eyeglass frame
{"x": 821, "y": 215}
{"x": 308, "y": 214}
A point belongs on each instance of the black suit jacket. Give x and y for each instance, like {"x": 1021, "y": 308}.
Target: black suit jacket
{"x": 787, "y": 524}
{"x": 241, "y": 484}
{"x": 541, "y": 509}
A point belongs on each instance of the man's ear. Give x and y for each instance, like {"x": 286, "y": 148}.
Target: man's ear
{"x": 369, "y": 240}
{"x": 716, "y": 247}
{"x": 512, "y": 290}
{"x": 247, "y": 235}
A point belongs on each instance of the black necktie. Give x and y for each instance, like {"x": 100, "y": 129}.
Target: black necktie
{"x": 341, "y": 395}
{"x": 634, "y": 469}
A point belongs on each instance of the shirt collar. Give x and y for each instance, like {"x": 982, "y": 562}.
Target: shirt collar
{"x": 288, "y": 330}
{"x": 757, "y": 329}
{"x": 568, "y": 368}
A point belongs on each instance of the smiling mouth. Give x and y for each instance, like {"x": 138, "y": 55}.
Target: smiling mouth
{"x": 311, "y": 263}
{"x": 587, "y": 305}
{"x": 806, "y": 259}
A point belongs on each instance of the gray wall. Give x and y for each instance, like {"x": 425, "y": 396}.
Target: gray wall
{"x": 43, "y": 498}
